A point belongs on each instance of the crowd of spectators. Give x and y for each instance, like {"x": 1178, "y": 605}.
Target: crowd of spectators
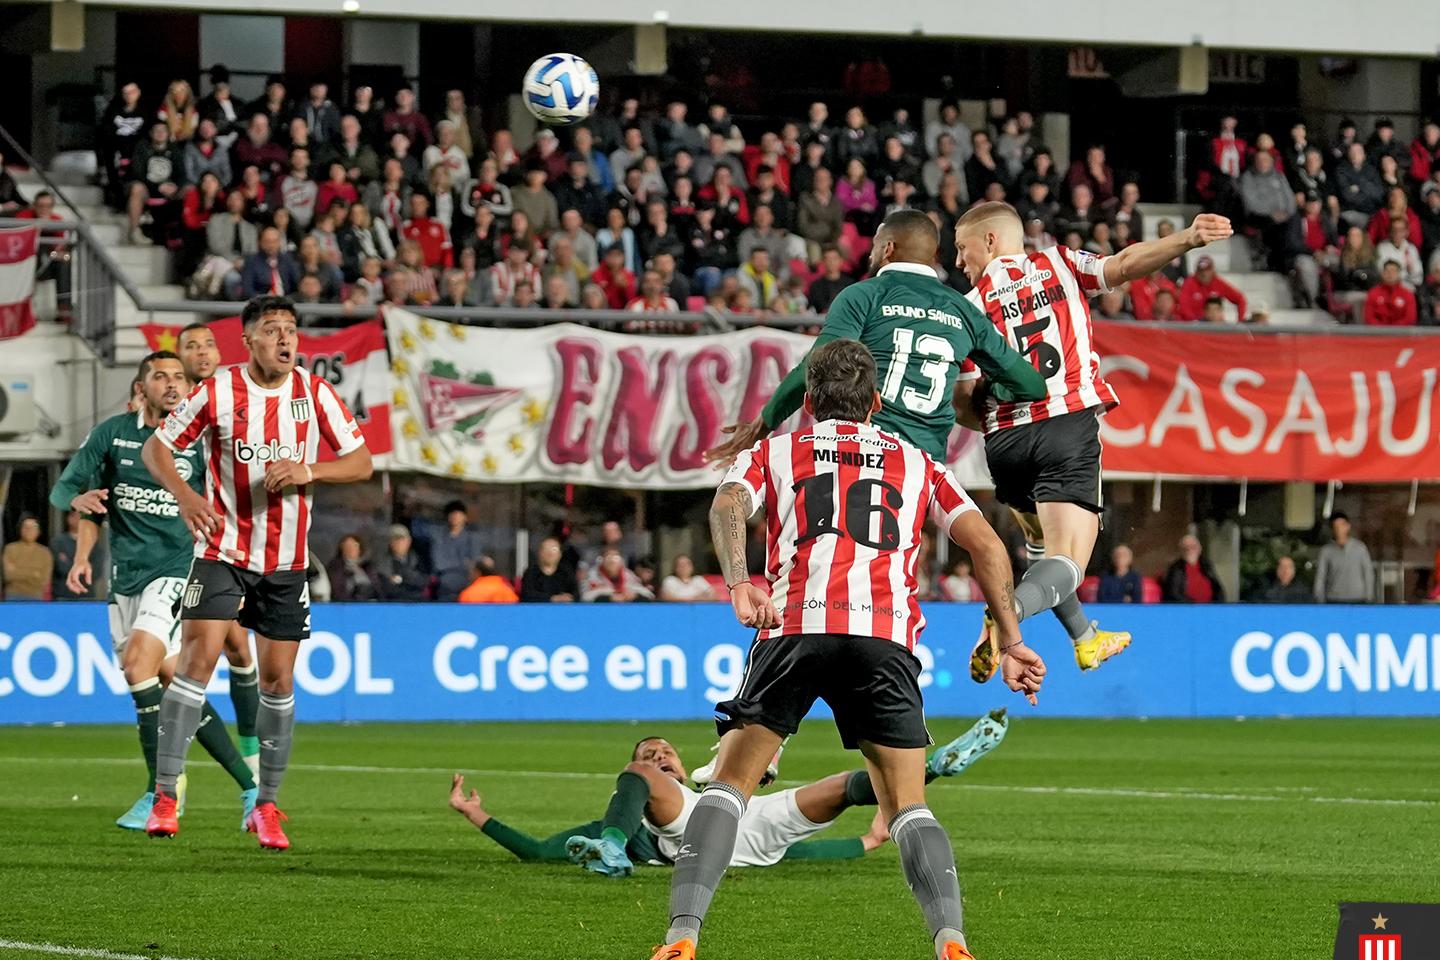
{"x": 1355, "y": 223}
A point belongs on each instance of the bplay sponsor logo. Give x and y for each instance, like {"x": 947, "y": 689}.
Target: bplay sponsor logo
{"x": 268, "y": 452}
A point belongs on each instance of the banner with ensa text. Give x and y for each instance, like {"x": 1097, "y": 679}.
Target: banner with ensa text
{"x": 1270, "y": 406}
{"x": 353, "y": 359}
{"x": 566, "y": 403}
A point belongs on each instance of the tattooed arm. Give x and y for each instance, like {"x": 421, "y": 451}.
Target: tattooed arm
{"x": 1021, "y": 667}
{"x": 728, "y": 532}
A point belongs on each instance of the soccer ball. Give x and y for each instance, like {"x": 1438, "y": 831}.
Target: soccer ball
{"x": 561, "y": 88}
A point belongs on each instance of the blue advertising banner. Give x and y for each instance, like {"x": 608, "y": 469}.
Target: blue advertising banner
{"x": 662, "y": 661}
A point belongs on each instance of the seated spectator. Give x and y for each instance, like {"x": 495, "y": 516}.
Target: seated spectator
{"x": 337, "y": 186}
{"x": 792, "y": 300}
{"x": 274, "y": 104}
{"x": 1430, "y": 220}
{"x": 1313, "y": 246}
{"x": 1214, "y": 311}
{"x": 711, "y": 255}
{"x": 1390, "y": 304}
{"x": 1428, "y": 298}
{"x": 453, "y": 553}
{"x": 486, "y": 190}
{"x": 960, "y": 585}
{"x": 549, "y": 579}
{"x": 536, "y": 201}
{"x": 948, "y": 124}
{"x": 613, "y": 278}
{"x": 198, "y": 203}
{"x": 617, "y": 233}
{"x": 558, "y": 295}
{"x": 487, "y": 585}
{"x": 457, "y": 291}
{"x": 482, "y": 240}
{"x": 429, "y": 234}
{"x": 442, "y": 196}
{"x": 767, "y": 190}
{"x": 674, "y": 134}
{"x": 562, "y": 265}
{"x": 1196, "y": 290}
{"x": 732, "y": 210}
{"x": 229, "y": 239}
{"x": 410, "y": 280}
{"x": 1127, "y": 211}
{"x": 368, "y": 289}
{"x": 28, "y": 564}
{"x": 1094, "y": 173}
{"x": 1358, "y": 187}
{"x": 1397, "y": 247}
{"x": 1037, "y": 204}
{"x": 718, "y": 122}
{"x": 821, "y": 216}
{"x": 1100, "y": 242}
{"x": 1120, "y": 583}
{"x": 1269, "y": 204}
{"x": 577, "y": 191}
{"x": 946, "y": 160}
{"x": 658, "y": 235}
{"x": 1397, "y": 204}
{"x": 361, "y": 163}
{"x": 547, "y": 155}
{"x": 520, "y": 233}
{"x": 1191, "y": 578}
{"x": 1286, "y": 588}
{"x": 717, "y": 157}
{"x": 756, "y": 279}
{"x": 312, "y": 262}
{"x": 629, "y": 154}
{"x": 477, "y": 280}
{"x": 1382, "y": 142}
{"x": 763, "y": 233}
{"x": 677, "y": 286}
{"x": 826, "y": 287}
{"x": 1425, "y": 152}
{"x": 802, "y": 174}
{"x": 270, "y": 270}
{"x": 325, "y": 232}
{"x": 895, "y": 164}
{"x": 683, "y": 586}
{"x": 1111, "y": 306}
{"x": 597, "y": 165}
{"x": 406, "y": 119}
{"x": 1356, "y": 269}
{"x": 178, "y": 111}
{"x": 157, "y": 172}
{"x": 204, "y": 154}
{"x": 1229, "y": 157}
{"x": 610, "y": 581}
{"x": 297, "y": 192}
{"x": 361, "y": 238}
{"x": 855, "y": 140}
{"x": 1309, "y": 178}
{"x": 1122, "y": 237}
{"x": 1081, "y": 213}
{"x": 447, "y": 153}
{"x": 581, "y": 242}
{"x": 352, "y": 579}
{"x": 592, "y": 297}
{"x": 257, "y": 149}
{"x": 512, "y": 274}
{"x": 652, "y": 298}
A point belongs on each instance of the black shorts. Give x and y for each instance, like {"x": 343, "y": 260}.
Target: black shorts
{"x": 275, "y": 606}
{"x": 873, "y": 687}
{"x": 1048, "y": 461}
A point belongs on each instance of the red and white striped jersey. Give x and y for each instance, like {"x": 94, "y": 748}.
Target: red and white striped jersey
{"x": 844, "y": 507}
{"x": 1040, "y": 303}
{"x": 244, "y": 427}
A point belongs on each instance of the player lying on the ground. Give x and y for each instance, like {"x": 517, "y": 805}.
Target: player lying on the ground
{"x": 150, "y": 549}
{"x": 1045, "y": 455}
{"x": 651, "y": 807}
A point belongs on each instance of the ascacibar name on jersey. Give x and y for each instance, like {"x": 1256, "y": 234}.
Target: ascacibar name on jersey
{"x": 920, "y": 313}
{"x": 1023, "y": 305}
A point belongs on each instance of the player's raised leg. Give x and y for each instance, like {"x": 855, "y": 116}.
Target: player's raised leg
{"x": 710, "y": 835}
{"x": 638, "y": 786}
{"x": 928, "y": 862}
{"x": 275, "y": 726}
{"x": 181, "y": 710}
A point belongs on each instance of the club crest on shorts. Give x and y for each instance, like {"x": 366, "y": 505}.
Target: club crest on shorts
{"x": 193, "y": 593}
{"x": 300, "y": 409}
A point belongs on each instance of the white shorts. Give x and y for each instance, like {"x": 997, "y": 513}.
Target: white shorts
{"x": 153, "y": 611}
{"x": 772, "y": 824}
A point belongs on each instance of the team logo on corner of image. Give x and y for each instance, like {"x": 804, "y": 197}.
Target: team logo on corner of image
{"x": 1377, "y": 931}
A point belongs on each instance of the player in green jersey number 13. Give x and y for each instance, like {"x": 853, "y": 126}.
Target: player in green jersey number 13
{"x": 919, "y": 331}
{"x": 151, "y": 549}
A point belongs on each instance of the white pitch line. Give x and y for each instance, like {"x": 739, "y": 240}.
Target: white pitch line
{"x": 59, "y": 951}
{"x": 1276, "y": 794}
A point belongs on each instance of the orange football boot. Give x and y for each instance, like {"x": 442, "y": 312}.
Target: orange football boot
{"x": 953, "y": 951}
{"x": 264, "y": 822}
{"x": 679, "y": 950}
{"x": 163, "y": 821}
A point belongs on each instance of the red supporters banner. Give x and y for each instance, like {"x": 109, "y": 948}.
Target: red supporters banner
{"x": 18, "y": 249}
{"x": 354, "y": 360}
{"x": 1270, "y": 406}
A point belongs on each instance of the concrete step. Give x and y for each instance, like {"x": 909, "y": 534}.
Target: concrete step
{"x": 1180, "y": 214}
{"x": 143, "y": 265}
{"x": 1230, "y": 256}
{"x": 127, "y": 314}
{"x": 1300, "y": 318}
{"x": 1270, "y": 289}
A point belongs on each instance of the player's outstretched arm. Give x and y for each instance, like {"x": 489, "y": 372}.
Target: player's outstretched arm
{"x": 1021, "y": 668}
{"x": 1144, "y": 258}
{"x": 468, "y": 807}
{"x": 728, "y": 533}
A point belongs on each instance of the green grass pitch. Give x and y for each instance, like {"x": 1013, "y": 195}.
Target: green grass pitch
{"x": 1133, "y": 839}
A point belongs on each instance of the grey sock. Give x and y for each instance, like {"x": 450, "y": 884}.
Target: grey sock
{"x": 180, "y": 712}
{"x": 705, "y": 852}
{"x": 1072, "y": 617}
{"x": 929, "y": 866}
{"x": 1045, "y": 584}
{"x": 275, "y": 727}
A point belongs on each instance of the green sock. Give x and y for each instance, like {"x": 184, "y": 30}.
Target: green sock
{"x": 626, "y": 809}
{"x": 245, "y": 694}
{"x": 147, "y": 695}
{"x": 216, "y": 740}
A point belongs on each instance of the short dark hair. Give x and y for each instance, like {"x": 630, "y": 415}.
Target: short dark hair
{"x": 42, "y": 193}
{"x": 144, "y": 369}
{"x": 1339, "y": 515}
{"x": 840, "y": 378}
{"x": 635, "y": 750}
{"x": 1391, "y": 263}
{"x": 454, "y": 505}
{"x": 258, "y": 307}
{"x": 197, "y": 325}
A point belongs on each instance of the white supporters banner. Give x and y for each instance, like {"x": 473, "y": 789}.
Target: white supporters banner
{"x": 568, "y": 404}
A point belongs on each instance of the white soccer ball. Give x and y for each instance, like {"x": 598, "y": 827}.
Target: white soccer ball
{"x": 561, "y": 88}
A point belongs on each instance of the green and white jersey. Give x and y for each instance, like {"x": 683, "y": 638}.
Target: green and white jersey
{"x": 148, "y": 540}
{"x": 919, "y": 331}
